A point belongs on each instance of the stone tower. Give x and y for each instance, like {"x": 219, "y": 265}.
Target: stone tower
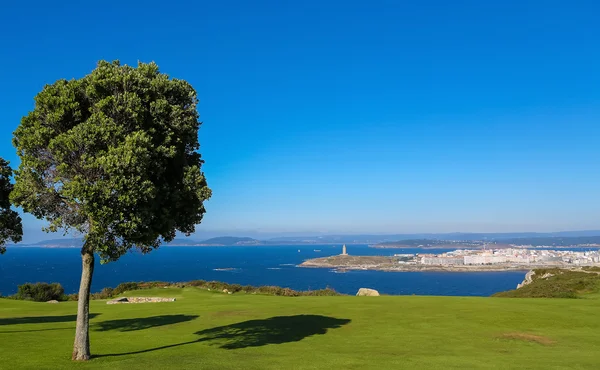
{"x": 344, "y": 251}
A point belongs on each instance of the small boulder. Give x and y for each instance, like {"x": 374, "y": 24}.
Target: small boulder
{"x": 367, "y": 292}
{"x": 52, "y": 301}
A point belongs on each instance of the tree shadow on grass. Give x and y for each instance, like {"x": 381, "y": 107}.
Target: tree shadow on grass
{"x": 255, "y": 333}
{"x": 275, "y": 330}
{"x": 41, "y": 319}
{"x": 33, "y": 330}
{"x": 142, "y": 323}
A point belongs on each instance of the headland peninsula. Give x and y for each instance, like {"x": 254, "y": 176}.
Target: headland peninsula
{"x": 507, "y": 259}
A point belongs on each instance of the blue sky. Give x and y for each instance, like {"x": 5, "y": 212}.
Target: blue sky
{"x": 353, "y": 116}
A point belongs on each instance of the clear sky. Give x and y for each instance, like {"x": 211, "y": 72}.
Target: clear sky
{"x": 353, "y": 116}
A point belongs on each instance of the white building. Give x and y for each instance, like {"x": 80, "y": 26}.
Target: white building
{"x": 483, "y": 259}
{"x": 432, "y": 260}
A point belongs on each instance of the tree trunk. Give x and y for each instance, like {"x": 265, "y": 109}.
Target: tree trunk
{"x": 81, "y": 347}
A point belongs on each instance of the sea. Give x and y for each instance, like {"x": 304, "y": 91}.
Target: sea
{"x": 246, "y": 265}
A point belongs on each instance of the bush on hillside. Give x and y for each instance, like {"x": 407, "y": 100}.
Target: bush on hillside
{"x": 123, "y": 287}
{"x": 29, "y": 291}
{"x": 268, "y": 290}
{"x": 41, "y": 292}
{"x": 105, "y": 293}
{"x": 155, "y": 284}
{"x": 322, "y": 292}
{"x": 562, "y": 284}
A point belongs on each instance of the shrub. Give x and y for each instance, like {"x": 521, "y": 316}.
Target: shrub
{"x": 248, "y": 289}
{"x": 41, "y": 292}
{"x": 322, "y": 292}
{"x": 123, "y": 287}
{"x": 152, "y": 284}
{"x": 105, "y": 293}
{"x": 29, "y": 291}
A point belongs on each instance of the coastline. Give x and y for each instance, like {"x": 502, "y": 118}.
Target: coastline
{"x": 390, "y": 264}
{"x": 272, "y": 266}
{"x": 479, "y": 247}
{"x": 431, "y": 268}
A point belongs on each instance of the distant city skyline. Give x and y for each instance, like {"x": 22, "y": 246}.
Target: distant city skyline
{"x": 370, "y": 117}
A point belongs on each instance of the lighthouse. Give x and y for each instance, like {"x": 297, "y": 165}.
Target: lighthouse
{"x": 344, "y": 251}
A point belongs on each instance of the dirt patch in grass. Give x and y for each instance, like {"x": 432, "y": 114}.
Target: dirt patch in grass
{"x": 526, "y": 337}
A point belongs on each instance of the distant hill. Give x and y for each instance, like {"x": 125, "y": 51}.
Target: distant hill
{"x": 395, "y": 238}
{"x": 565, "y": 238}
{"x": 500, "y": 242}
{"x": 433, "y": 243}
{"x": 555, "y": 241}
{"x": 184, "y": 242}
{"x": 60, "y": 243}
{"x": 230, "y": 240}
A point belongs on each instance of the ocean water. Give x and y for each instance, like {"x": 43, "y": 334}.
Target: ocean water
{"x": 248, "y": 265}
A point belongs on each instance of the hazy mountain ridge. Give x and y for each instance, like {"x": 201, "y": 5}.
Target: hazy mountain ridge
{"x": 78, "y": 242}
{"x": 523, "y": 238}
{"x": 458, "y": 236}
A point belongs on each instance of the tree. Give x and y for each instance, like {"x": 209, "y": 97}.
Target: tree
{"x": 113, "y": 156}
{"x": 11, "y": 228}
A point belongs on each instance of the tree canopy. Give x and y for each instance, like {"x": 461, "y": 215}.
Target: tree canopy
{"x": 11, "y": 229}
{"x": 113, "y": 155}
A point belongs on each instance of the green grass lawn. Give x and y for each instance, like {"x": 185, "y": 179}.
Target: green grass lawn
{"x": 208, "y": 330}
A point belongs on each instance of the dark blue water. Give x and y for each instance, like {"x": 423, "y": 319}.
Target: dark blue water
{"x": 255, "y": 265}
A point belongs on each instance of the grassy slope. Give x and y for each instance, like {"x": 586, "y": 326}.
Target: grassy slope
{"x": 560, "y": 284}
{"x": 212, "y": 330}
